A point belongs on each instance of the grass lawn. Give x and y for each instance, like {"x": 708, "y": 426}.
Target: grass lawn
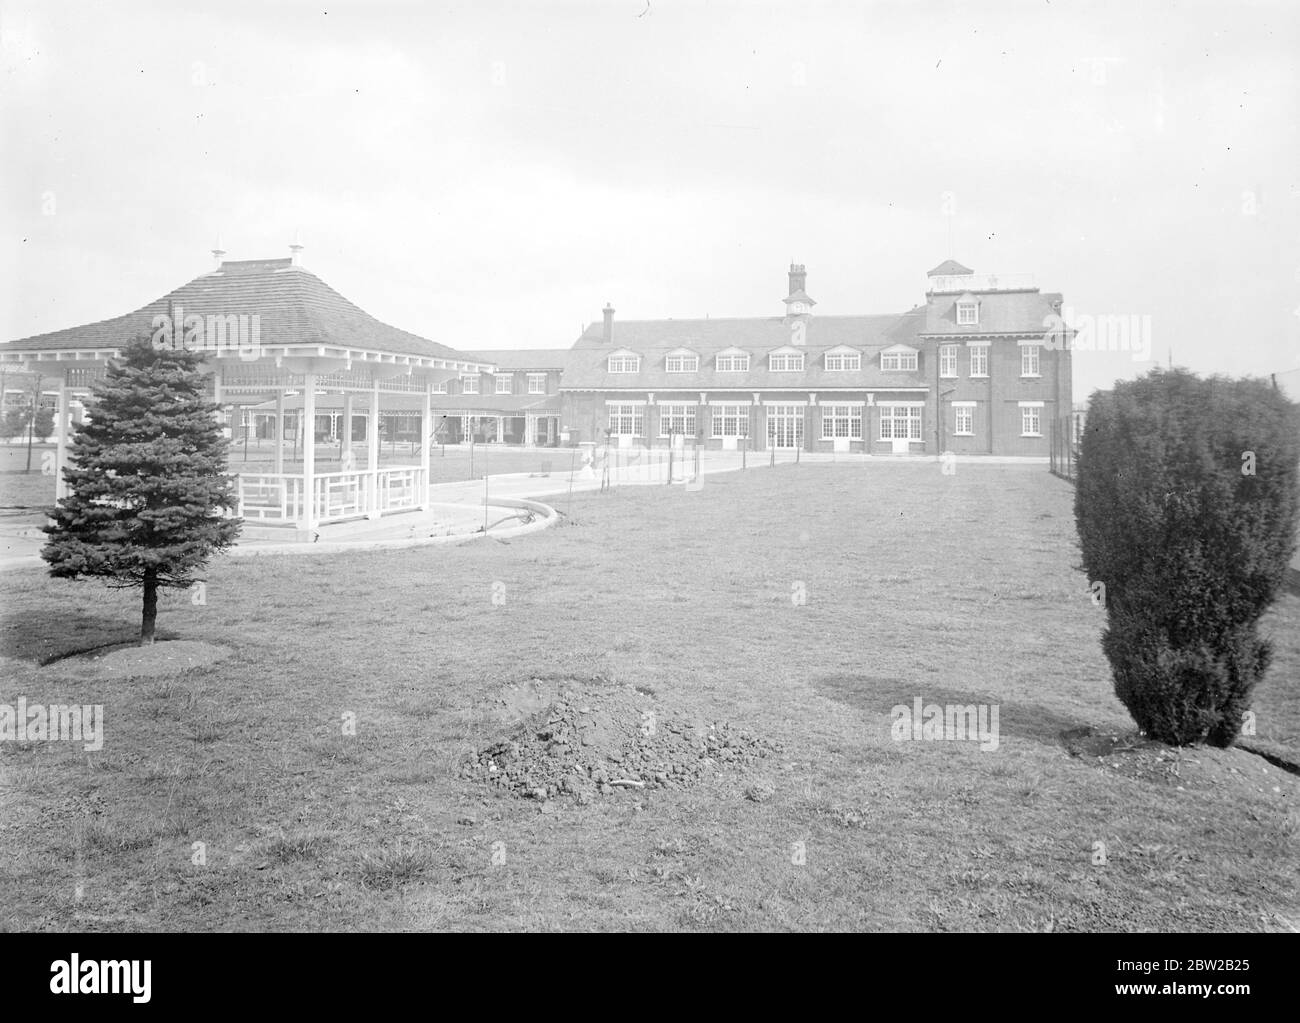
{"x": 956, "y": 589}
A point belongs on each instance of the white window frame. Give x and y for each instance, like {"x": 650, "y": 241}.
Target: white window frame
{"x": 843, "y": 362}
{"x": 911, "y": 415}
{"x": 682, "y": 363}
{"x": 948, "y": 361}
{"x": 968, "y": 314}
{"x": 841, "y": 420}
{"x": 677, "y": 410}
{"x": 624, "y": 364}
{"x": 536, "y": 383}
{"x": 894, "y": 362}
{"x": 729, "y": 419}
{"x": 735, "y": 363}
{"x": 469, "y": 385}
{"x": 787, "y": 358}
{"x": 1031, "y": 355}
{"x": 440, "y": 387}
{"x": 508, "y": 380}
{"x": 625, "y": 414}
{"x": 963, "y": 410}
{"x": 983, "y": 351}
{"x": 1034, "y": 409}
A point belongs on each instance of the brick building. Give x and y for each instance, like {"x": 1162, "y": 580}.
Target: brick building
{"x": 970, "y": 371}
{"x": 518, "y": 403}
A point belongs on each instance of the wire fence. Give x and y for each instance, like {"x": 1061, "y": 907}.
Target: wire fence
{"x": 1063, "y": 456}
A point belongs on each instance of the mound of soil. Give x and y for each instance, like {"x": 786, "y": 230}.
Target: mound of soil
{"x": 589, "y": 741}
{"x": 130, "y": 660}
{"x": 1132, "y": 755}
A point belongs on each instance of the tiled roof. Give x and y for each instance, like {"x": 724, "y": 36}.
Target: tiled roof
{"x": 295, "y": 306}
{"x": 949, "y": 267}
{"x": 1000, "y": 312}
{"x": 653, "y": 339}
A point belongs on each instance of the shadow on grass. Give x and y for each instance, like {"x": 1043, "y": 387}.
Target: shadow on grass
{"x": 41, "y": 639}
{"x": 875, "y": 694}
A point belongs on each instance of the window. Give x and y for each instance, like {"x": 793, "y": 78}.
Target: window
{"x": 536, "y": 383}
{"x": 625, "y": 364}
{"x": 1029, "y": 360}
{"x": 1031, "y": 419}
{"x": 733, "y": 363}
{"x": 625, "y": 420}
{"x": 503, "y": 383}
{"x": 676, "y": 419}
{"x": 901, "y": 422}
{"x": 844, "y": 361}
{"x": 730, "y": 420}
{"x": 841, "y": 421}
{"x": 947, "y": 360}
{"x": 469, "y": 385}
{"x": 785, "y": 362}
{"x": 682, "y": 363}
{"x": 968, "y": 314}
{"x": 965, "y": 424}
{"x": 898, "y": 360}
{"x": 979, "y": 360}
{"x": 440, "y": 387}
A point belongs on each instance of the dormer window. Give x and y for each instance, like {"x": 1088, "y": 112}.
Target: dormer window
{"x": 732, "y": 361}
{"x": 469, "y": 385}
{"x": 785, "y": 362}
{"x": 900, "y": 358}
{"x": 503, "y": 383}
{"x": 968, "y": 313}
{"x": 682, "y": 362}
{"x": 839, "y": 360}
{"x": 626, "y": 362}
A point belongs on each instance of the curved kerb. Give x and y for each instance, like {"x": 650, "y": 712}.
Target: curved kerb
{"x": 546, "y": 516}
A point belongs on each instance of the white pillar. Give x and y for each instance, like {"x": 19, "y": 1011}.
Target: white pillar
{"x": 426, "y": 441}
{"x": 308, "y": 424}
{"x": 61, "y": 437}
{"x": 279, "y": 431}
{"x": 347, "y": 422}
{"x": 372, "y": 449}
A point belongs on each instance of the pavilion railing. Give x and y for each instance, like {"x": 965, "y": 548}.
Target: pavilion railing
{"x": 270, "y": 497}
{"x": 277, "y": 498}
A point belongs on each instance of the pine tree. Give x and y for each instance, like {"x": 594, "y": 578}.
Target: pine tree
{"x": 147, "y": 481}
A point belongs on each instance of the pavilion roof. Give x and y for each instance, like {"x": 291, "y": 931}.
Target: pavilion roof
{"x": 295, "y": 307}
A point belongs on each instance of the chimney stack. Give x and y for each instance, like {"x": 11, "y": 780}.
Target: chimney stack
{"x": 295, "y": 251}
{"x": 609, "y": 323}
{"x": 218, "y": 254}
{"x": 798, "y": 278}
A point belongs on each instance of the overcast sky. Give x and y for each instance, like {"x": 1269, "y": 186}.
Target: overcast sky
{"x": 489, "y": 175}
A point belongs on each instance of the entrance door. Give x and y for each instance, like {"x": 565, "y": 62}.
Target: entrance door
{"x": 785, "y": 426}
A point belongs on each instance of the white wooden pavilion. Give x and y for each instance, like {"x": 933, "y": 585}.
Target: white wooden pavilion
{"x": 273, "y": 332}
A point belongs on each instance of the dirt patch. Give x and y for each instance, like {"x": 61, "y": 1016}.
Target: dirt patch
{"x": 1132, "y": 755}
{"x": 586, "y": 740}
{"x": 129, "y": 660}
